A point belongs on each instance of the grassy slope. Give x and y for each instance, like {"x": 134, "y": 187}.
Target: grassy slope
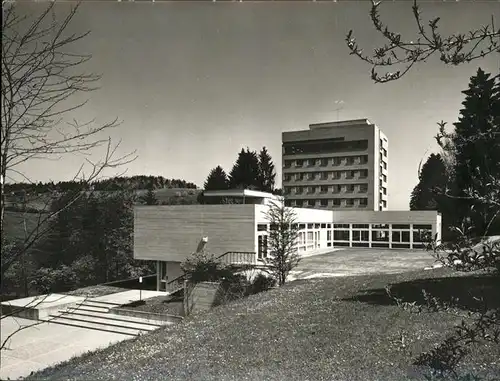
{"x": 326, "y": 329}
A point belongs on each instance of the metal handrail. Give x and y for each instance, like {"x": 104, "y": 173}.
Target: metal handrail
{"x": 174, "y": 284}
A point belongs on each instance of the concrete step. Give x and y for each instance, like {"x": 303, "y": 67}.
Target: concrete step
{"x": 55, "y": 319}
{"x": 101, "y": 303}
{"x": 113, "y": 324}
{"x": 89, "y": 307}
{"x": 113, "y": 318}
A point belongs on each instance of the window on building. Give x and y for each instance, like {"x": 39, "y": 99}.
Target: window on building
{"x": 336, "y": 189}
{"x": 380, "y": 183}
{"x": 324, "y": 202}
{"x": 350, "y": 160}
{"x": 310, "y": 176}
{"x": 288, "y": 203}
{"x": 324, "y": 188}
{"x": 350, "y": 174}
{"x": 384, "y": 177}
{"x": 380, "y": 226}
{"x": 288, "y": 163}
{"x": 364, "y": 159}
{"x": 341, "y": 235}
{"x": 317, "y": 226}
{"x": 298, "y": 190}
{"x": 384, "y": 164}
{"x": 401, "y": 226}
{"x": 262, "y": 246}
{"x": 350, "y": 188}
{"x": 341, "y": 226}
{"x": 311, "y": 162}
{"x": 336, "y": 202}
{"x": 360, "y": 226}
{"x": 324, "y": 146}
{"x": 384, "y": 190}
{"x": 299, "y": 163}
{"x": 328, "y": 235}
{"x": 324, "y": 176}
{"x": 311, "y": 202}
{"x": 385, "y": 151}
{"x": 261, "y": 227}
{"x": 381, "y": 143}
{"x": 311, "y": 190}
{"x": 349, "y": 202}
{"x": 422, "y": 227}
{"x": 360, "y": 235}
{"x": 299, "y": 203}
{"x": 336, "y": 175}
{"x": 299, "y": 176}
{"x": 384, "y": 203}
{"x": 380, "y": 235}
{"x": 363, "y": 202}
{"x": 363, "y": 173}
{"x": 324, "y": 162}
{"x": 336, "y": 161}
{"x": 288, "y": 190}
{"x": 381, "y": 157}
{"x": 302, "y": 226}
{"x": 363, "y": 188}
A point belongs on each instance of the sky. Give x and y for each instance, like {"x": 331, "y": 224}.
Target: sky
{"x": 194, "y": 82}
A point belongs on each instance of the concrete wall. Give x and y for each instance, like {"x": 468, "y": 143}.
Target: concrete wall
{"x": 173, "y": 232}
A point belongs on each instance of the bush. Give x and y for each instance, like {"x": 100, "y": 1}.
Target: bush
{"x": 49, "y": 280}
{"x": 262, "y": 283}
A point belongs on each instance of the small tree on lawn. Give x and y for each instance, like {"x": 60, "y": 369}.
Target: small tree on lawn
{"x": 281, "y": 241}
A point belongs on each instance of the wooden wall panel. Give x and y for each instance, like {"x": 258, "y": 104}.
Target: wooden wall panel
{"x": 173, "y": 232}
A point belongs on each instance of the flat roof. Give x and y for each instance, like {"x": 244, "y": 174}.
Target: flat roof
{"x": 240, "y": 193}
{"x": 341, "y": 123}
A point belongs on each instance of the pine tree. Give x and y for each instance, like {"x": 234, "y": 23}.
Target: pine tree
{"x": 150, "y": 197}
{"x": 245, "y": 172}
{"x": 267, "y": 173}
{"x": 217, "y": 179}
{"x": 432, "y": 182}
{"x": 476, "y": 143}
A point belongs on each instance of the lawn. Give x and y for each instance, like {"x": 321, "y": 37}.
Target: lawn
{"x": 343, "y": 328}
{"x": 168, "y": 305}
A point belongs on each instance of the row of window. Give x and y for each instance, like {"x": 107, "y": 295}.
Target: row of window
{"x": 335, "y": 175}
{"x": 381, "y": 236}
{"x": 324, "y": 146}
{"x": 324, "y": 162}
{"x": 336, "y": 202}
{"x": 378, "y": 227}
{"x": 337, "y": 188}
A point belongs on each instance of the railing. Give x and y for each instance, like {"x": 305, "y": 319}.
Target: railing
{"x": 230, "y": 257}
{"x": 238, "y": 257}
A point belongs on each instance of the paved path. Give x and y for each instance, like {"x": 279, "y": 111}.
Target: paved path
{"x": 46, "y": 344}
{"x": 346, "y": 262}
{"x": 41, "y": 345}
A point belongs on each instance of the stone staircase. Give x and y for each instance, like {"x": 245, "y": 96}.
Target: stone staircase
{"x": 98, "y": 315}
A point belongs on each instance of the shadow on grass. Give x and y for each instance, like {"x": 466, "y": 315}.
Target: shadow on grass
{"x": 464, "y": 292}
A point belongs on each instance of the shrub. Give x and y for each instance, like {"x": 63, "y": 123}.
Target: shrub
{"x": 262, "y": 283}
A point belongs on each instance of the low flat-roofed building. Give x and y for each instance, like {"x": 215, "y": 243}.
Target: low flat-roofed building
{"x": 237, "y": 233}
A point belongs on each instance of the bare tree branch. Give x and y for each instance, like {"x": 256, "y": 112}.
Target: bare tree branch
{"x": 452, "y": 50}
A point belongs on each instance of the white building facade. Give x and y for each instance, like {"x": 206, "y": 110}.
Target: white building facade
{"x": 239, "y": 232}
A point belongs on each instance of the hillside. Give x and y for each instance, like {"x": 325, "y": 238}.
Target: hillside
{"x": 342, "y": 329}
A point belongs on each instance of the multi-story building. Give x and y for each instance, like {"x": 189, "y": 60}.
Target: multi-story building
{"x": 336, "y": 165}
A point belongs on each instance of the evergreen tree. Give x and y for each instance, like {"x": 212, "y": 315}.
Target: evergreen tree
{"x": 476, "y": 143}
{"x": 217, "y": 179}
{"x": 433, "y": 179}
{"x": 245, "y": 172}
{"x": 267, "y": 173}
{"x": 150, "y": 197}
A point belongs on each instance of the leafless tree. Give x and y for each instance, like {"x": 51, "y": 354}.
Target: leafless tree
{"x": 41, "y": 74}
{"x": 283, "y": 256}
{"x": 454, "y": 49}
